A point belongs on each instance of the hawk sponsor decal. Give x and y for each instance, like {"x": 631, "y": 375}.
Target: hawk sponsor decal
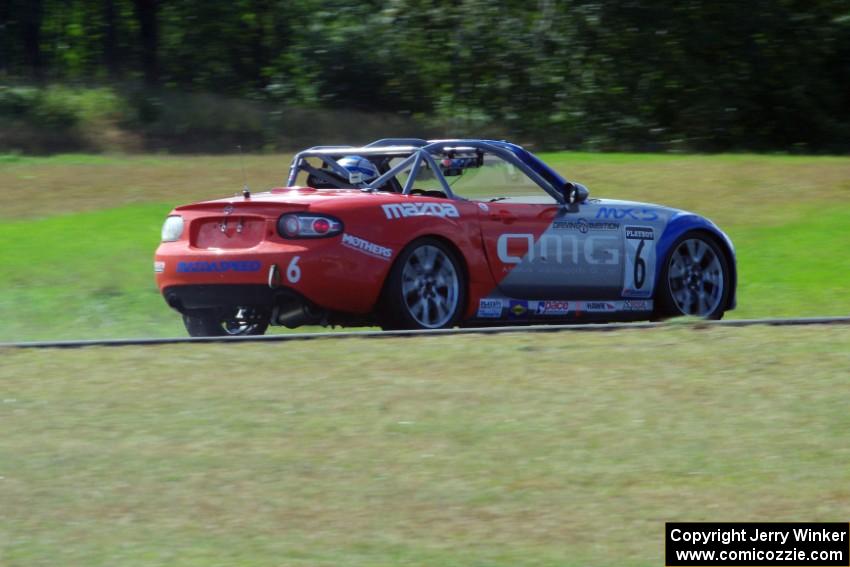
{"x": 489, "y": 308}
{"x": 405, "y": 210}
{"x": 370, "y": 248}
{"x": 518, "y": 309}
{"x": 640, "y": 233}
{"x": 631, "y": 213}
{"x": 598, "y": 307}
{"x": 219, "y": 266}
{"x": 584, "y": 226}
{"x": 552, "y": 308}
{"x": 559, "y": 248}
{"x": 158, "y": 267}
{"x": 637, "y": 305}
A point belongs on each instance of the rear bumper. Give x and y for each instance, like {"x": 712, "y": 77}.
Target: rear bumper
{"x": 323, "y": 271}
{"x": 213, "y": 296}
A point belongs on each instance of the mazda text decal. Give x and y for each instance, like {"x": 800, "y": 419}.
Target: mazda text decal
{"x": 404, "y": 210}
{"x": 220, "y": 266}
{"x": 362, "y": 245}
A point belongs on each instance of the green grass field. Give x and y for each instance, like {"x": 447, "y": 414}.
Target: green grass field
{"x": 510, "y": 450}
{"x": 501, "y": 451}
{"x": 77, "y": 233}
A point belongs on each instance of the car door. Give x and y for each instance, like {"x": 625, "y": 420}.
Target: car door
{"x": 542, "y": 250}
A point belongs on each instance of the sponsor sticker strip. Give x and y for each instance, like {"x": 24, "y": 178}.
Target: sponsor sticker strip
{"x": 363, "y": 245}
{"x": 494, "y": 308}
{"x": 489, "y": 308}
{"x": 405, "y": 210}
{"x": 219, "y": 266}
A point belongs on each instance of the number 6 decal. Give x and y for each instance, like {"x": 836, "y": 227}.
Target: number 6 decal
{"x": 293, "y": 271}
{"x": 640, "y": 267}
{"x": 640, "y": 261}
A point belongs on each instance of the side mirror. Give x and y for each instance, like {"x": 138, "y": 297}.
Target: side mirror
{"x": 575, "y": 192}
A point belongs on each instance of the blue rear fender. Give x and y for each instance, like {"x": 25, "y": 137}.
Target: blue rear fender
{"x": 682, "y": 223}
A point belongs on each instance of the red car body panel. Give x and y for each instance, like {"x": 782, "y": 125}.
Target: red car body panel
{"x": 330, "y": 273}
{"x": 554, "y": 256}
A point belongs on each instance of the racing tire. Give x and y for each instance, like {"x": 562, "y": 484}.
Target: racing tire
{"x": 233, "y": 322}
{"x": 426, "y": 288}
{"x": 695, "y": 279}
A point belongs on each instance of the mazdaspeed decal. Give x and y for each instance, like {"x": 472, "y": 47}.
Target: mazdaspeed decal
{"x": 404, "y": 210}
{"x": 639, "y": 272}
{"x": 219, "y": 266}
{"x": 363, "y": 245}
{"x": 489, "y": 308}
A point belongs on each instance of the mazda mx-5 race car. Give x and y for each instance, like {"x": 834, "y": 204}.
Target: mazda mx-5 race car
{"x": 415, "y": 234}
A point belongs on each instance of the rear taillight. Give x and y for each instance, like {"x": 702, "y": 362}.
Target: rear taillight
{"x": 172, "y": 228}
{"x": 304, "y": 225}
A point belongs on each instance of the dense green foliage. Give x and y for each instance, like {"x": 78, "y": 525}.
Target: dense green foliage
{"x": 694, "y": 74}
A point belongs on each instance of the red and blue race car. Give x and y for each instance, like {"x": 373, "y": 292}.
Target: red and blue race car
{"x": 416, "y": 234}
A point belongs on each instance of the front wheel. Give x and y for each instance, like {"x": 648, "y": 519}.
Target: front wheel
{"x": 426, "y": 288}
{"x": 239, "y": 321}
{"x": 695, "y": 280}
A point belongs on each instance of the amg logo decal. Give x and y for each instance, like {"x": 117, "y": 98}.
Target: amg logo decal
{"x": 221, "y": 266}
{"x": 404, "y": 210}
{"x": 361, "y": 245}
{"x": 558, "y": 248}
{"x": 630, "y": 213}
{"x": 640, "y": 233}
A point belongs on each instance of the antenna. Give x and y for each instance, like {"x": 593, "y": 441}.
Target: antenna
{"x": 246, "y": 193}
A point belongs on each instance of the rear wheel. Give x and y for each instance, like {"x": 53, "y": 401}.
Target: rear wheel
{"x": 426, "y": 288}
{"x": 238, "y": 321}
{"x": 695, "y": 280}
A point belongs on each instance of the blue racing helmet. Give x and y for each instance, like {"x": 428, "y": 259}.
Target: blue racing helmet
{"x": 360, "y": 169}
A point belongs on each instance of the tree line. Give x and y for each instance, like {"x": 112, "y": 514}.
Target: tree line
{"x": 706, "y": 75}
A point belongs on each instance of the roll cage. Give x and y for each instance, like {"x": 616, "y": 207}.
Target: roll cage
{"x": 415, "y": 152}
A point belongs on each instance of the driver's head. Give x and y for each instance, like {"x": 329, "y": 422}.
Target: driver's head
{"x": 360, "y": 169}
